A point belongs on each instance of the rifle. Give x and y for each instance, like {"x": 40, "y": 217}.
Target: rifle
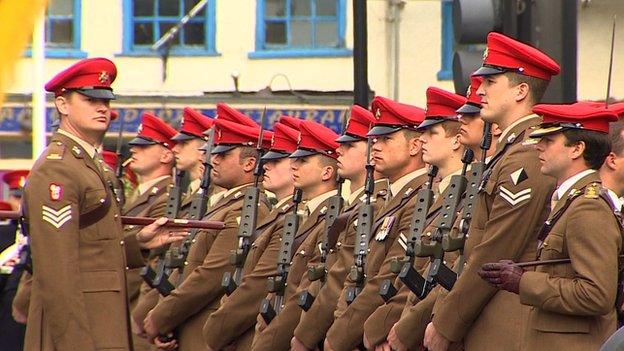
{"x": 176, "y": 255}
{"x": 156, "y": 278}
{"x": 364, "y": 229}
{"x": 438, "y": 272}
{"x": 277, "y": 284}
{"x": 424, "y": 199}
{"x": 450, "y": 243}
{"x": 249, "y": 220}
{"x": 119, "y": 193}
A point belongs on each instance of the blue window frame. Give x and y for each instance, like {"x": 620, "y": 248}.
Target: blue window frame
{"x": 446, "y": 70}
{"x": 146, "y": 21}
{"x": 62, "y": 29}
{"x": 300, "y": 28}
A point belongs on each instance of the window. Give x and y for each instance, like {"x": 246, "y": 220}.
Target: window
{"x": 146, "y": 21}
{"x": 287, "y": 28}
{"x": 62, "y": 29}
{"x": 446, "y": 71}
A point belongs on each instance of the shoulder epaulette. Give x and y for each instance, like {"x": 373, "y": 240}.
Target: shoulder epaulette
{"x": 592, "y": 191}
{"x": 55, "y": 151}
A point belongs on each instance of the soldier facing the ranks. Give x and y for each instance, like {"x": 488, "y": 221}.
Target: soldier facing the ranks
{"x": 199, "y": 294}
{"x": 397, "y": 154}
{"x": 152, "y": 160}
{"x": 313, "y": 168}
{"x": 352, "y": 154}
{"x": 511, "y": 207}
{"x": 572, "y": 305}
{"x": 440, "y": 148}
{"x": 232, "y": 325}
{"x": 79, "y": 252}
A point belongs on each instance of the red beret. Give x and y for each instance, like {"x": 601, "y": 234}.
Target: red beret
{"x": 15, "y": 179}
{"x": 314, "y": 139}
{"x": 473, "y": 104}
{"x": 91, "y": 77}
{"x": 5, "y": 206}
{"x": 506, "y": 54}
{"x": 230, "y": 135}
{"x": 193, "y": 125}
{"x": 441, "y": 106}
{"x": 283, "y": 142}
{"x": 154, "y": 130}
{"x": 390, "y": 116}
{"x": 360, "y": 121}
{"x": 580, "y": 116}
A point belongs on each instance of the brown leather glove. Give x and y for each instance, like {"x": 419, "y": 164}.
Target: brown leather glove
{"x": 504, "y": 275}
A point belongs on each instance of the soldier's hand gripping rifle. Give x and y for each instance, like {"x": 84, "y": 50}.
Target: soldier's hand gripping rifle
{"x": 175, "y": 257}
{"x": 363, "y": 231}
{"x": 424, "y": 199}
{"x": 450, "y": 243}
{"x": 156, "y": 278}
{"x": 438, "y": 272}
{"x": 248, "y": 222}
{"x": 277, "y": 284}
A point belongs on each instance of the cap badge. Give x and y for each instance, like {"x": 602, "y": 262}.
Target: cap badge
{"x": 22, "y": 182}
{"x": 377, "y": 114}
{"x": 140, "y": 128}
{"x": 103, "y": 78}
{"x": 485, "y": 54}
{"x": 272, "y": 139}
{"x": 299, "y": 139}
{"x": 468, "y": 92}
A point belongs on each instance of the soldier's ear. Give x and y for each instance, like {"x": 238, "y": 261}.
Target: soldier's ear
{"x": 522, "y": 91}
{"x": 249, "y": 163}
{"x": 415, "y": 146}
{"x": 166, "y": 157}
{"x": 610, "y": 161}
{"x": 61, "y": 103}
{"x": 578, "y": 150}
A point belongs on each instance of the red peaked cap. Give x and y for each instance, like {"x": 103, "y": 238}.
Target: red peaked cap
{"x": 617, "y": 108}
{"x": 15, "y": 179}
{"x": 507, "y": 54}
{"x": 473, "y": 104}
{"x": 391, "y": 116}
{"x": 225, "y": 112}
{"x": 5, "y": 206}
{"x": 292, "y": 122}
{"x": 229, "y": 135}
{"x": 360, "y": 121}
{"x": 441, "y": 106}
{"x": 91, "y": 77}
{"x": 283, "y": 142}
{"x": 314, "y": 139}
{"x": 154, "y": 130}
{"x": 193, "y": 125}
{"x": 580, "y": 116}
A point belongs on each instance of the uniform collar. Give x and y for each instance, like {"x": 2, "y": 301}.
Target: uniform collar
{"x": 568, "y": 183}
{"x": 313, "y": 203}
{"x": 144, "y": 187}
{"x": 507, "y": 133}
{"x": 235, "y": 189}
{"x": 617, "y": 201}
{"x": 396, "y": 187}
{"x": 446, "y": 181}
{"x": 90, "y": 149}
{"x": 283, "y": 201}
{"x": 194, "y": 185}
{"x": 354, "y": 196}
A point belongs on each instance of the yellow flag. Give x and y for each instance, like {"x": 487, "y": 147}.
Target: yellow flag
{"x": 17, "y": 19}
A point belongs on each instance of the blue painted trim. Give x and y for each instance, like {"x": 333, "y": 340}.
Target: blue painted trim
{"x": 446, "y": 71}
{"x": 300, "y": 53}
{"x": 71, "y": 51}
{"x": 77, "y": 24}
{"x": 209, "y": 49}
{"x": 272, "y": 50}
{"x": 60, "y": 53}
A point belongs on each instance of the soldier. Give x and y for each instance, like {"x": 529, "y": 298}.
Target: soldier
{"x": 314, "y": 172}
{"x": 572, "y": 305}
{"x": 79, "y": 252}
{"x": 188, "y": 306}
{"x": 510, "y": 208}
{"x": 152, "y": 160}
{"x": 11, "y": 271}
{"x": 612, "y": 171}
{"x": 352, "y": 154}
{"x": 233, "y": 323}
{"x": 397, "y": 154}
{"x": 440, "y": 148}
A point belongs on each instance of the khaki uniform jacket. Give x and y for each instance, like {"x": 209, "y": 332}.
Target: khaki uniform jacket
{"x": 152, "y": 204}
{"x": 277, "y": 335}
{"x": 189, "y": 305}
{"x": 235, "y": 319}
{"x": 348, "y": 329}
{"x": 21, "y": 301}
{"x": 379, "y": 323}
{"x": 572, "y": 305}
{"x": 507, "y": 219}
{"x": 315, "y": 322}
{"x": 78, "y": 254}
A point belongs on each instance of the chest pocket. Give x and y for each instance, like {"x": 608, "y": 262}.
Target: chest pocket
{"x": 94, "y": 210}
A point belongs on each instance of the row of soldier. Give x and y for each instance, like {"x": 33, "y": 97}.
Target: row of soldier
{"x": 443, "y": 202}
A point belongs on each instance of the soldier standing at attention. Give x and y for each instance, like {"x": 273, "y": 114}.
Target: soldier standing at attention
{"x": 79, "y": 253}
{"x": 152, "y": 160}
{"x": 572, "y": 305}
{"x": 199, "y": 294}
{"x": 511, "y": 207}
{"x": 232, "y": 325}
{"x": 612, "y": 171}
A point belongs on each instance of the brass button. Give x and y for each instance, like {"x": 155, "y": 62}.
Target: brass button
{"x": 121, "y": 243}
